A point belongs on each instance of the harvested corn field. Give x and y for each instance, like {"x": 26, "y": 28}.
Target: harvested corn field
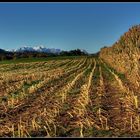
{"x": 80, "y": 97}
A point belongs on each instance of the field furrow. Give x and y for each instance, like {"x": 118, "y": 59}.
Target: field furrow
{"x": 80, "y": 97}
{"x": 59, "y": 82}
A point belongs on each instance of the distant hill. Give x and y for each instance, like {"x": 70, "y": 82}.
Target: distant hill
{"x": 2, "y": 51}
{"x": 124, "y": 55}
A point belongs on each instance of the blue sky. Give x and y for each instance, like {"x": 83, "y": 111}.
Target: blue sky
{"x": 67, "y": 26}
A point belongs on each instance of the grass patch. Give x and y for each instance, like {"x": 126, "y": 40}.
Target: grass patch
{"x": 27, "y": 60}
{"x": 93, "y": 132}
{"x": 120, "y": 75}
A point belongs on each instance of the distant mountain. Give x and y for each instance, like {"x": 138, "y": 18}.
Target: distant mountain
{"x": 43, "y": 49}
{"x": 38, "y": 49}
{"x": 84, "y": 51}
{"x": 23, "y": 49}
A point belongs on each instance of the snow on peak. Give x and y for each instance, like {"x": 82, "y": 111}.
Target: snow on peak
{"x": 39, "y": 48}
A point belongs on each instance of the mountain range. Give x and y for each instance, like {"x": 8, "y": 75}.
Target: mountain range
{"x": 38, "y": 49}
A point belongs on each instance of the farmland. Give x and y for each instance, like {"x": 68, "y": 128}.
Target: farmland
{"x": 70, "y": 97}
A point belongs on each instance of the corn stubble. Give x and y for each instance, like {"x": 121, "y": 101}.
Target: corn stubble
{"x": 66, "y": 98}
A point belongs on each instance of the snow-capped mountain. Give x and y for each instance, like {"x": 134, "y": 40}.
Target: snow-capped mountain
{"x": 38, "y": 49}
{"x": 82, "y": 50}
{"x": 25, "y": 48}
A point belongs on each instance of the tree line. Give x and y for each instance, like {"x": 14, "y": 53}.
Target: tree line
{"x": 7, "y": 55}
